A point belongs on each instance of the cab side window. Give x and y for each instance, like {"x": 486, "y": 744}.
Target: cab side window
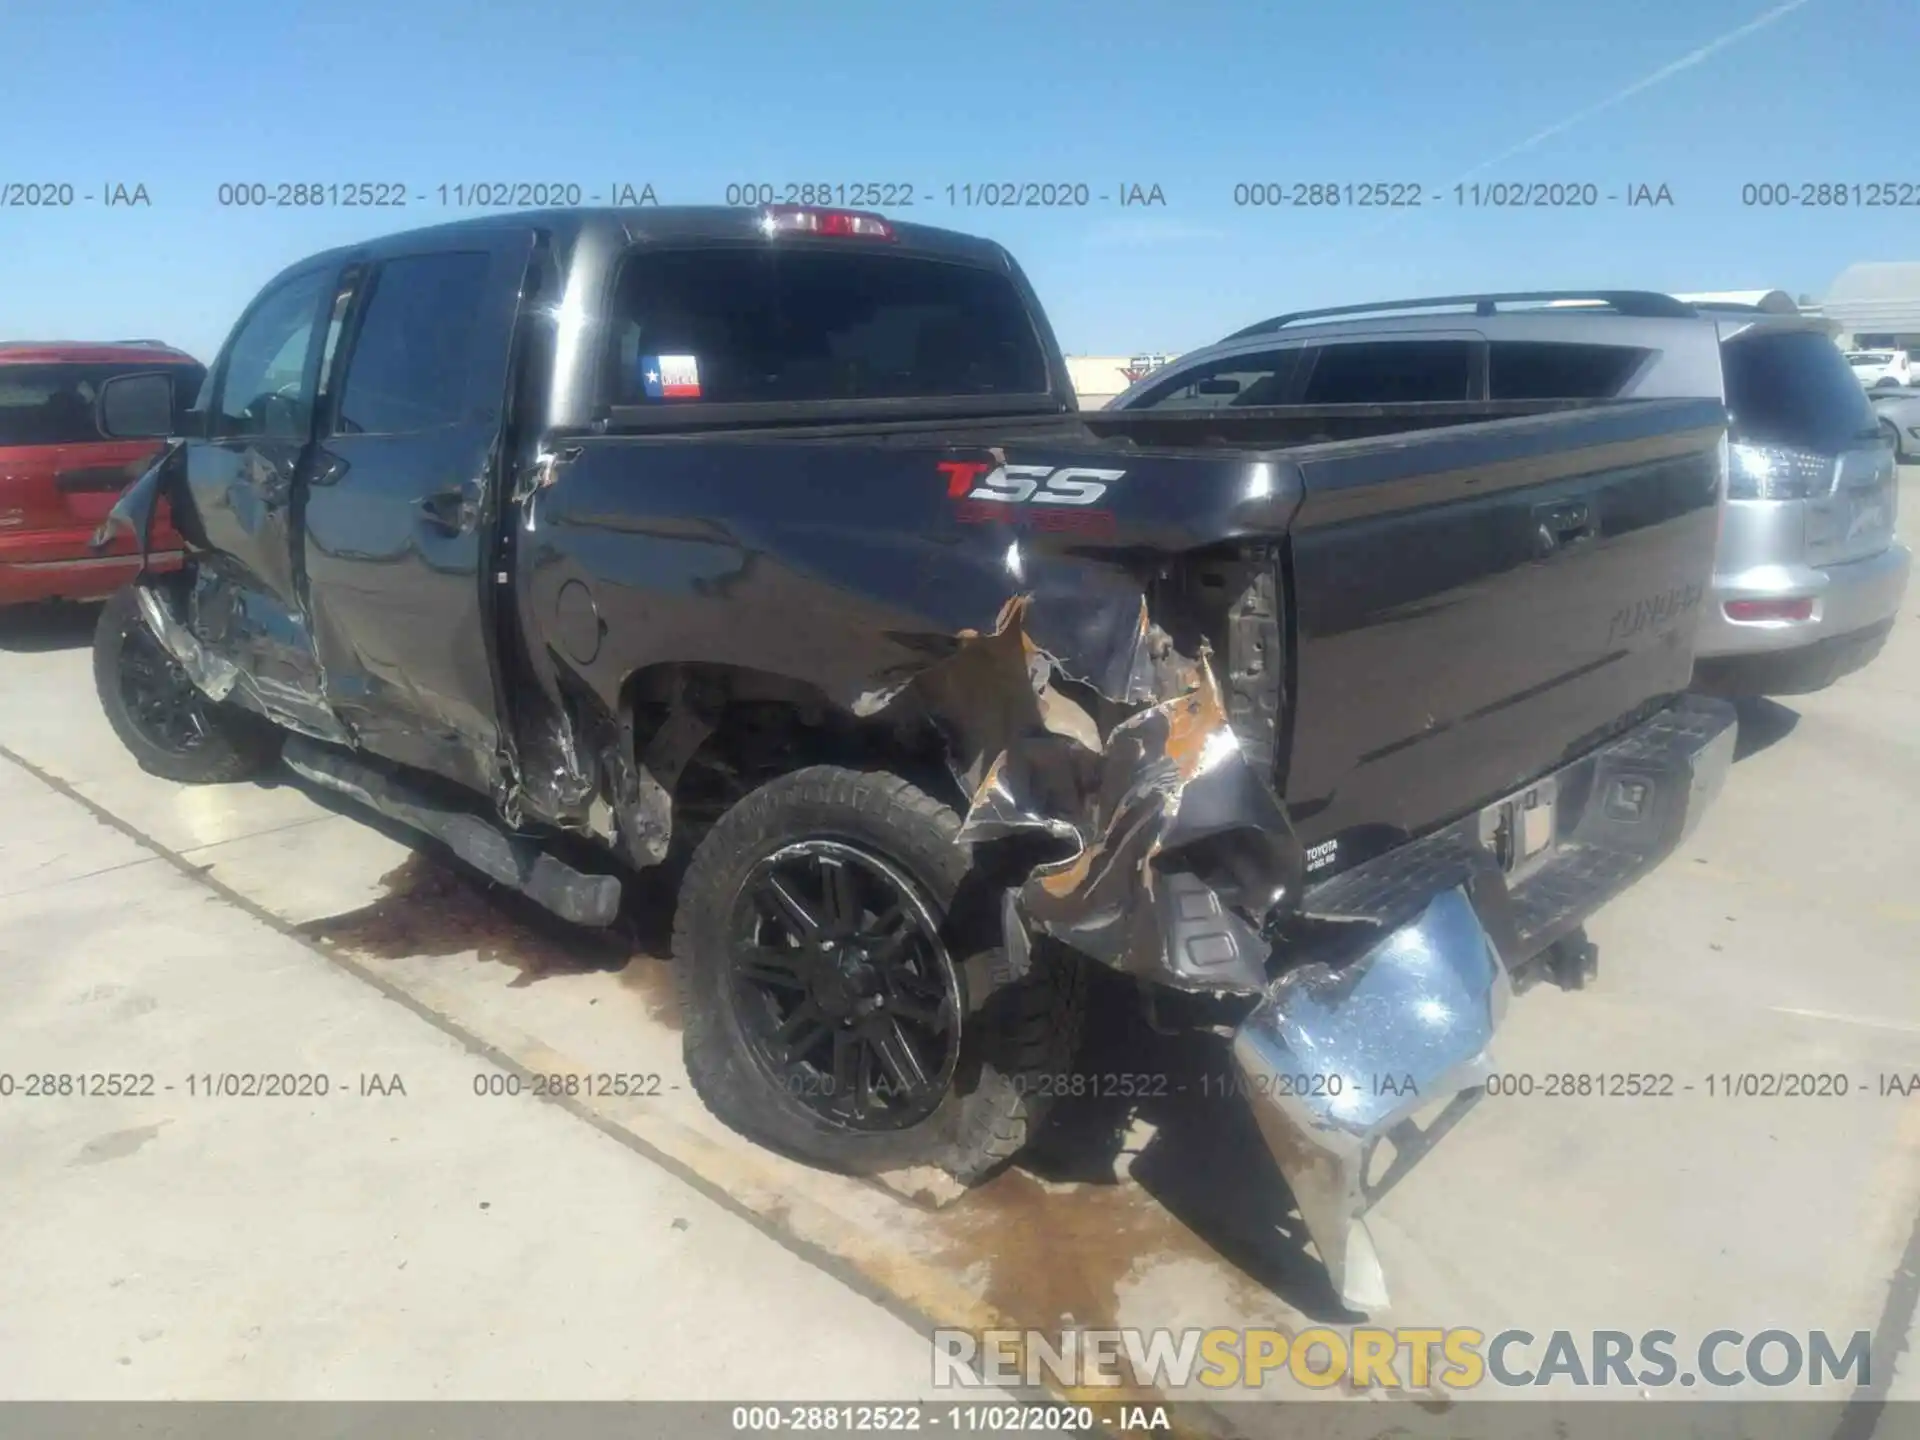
{"x": 407, "y": 370}
{"x": 264, "y": 390}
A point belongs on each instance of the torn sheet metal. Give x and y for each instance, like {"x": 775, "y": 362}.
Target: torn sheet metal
{"x": 220, "y": 623}
{"x": 220, "y": 678}
{"x": 1338, "y": 1057}
{"x": 1088, "y": 624}
{"x": 1180, "y": 854}
{"x": 1121, "y": 750}
{"x": 132, "y": 514}
{"x": 213, "y": 675}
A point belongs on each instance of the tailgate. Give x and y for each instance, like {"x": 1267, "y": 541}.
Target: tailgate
{"x": 1475, "y": 607}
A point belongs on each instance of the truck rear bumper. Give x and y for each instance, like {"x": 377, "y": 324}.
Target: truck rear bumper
{"x": 1342, "y": 1052}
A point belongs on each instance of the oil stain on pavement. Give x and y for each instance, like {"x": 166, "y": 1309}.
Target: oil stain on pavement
{"x": 1113, "y": 1188}
{"x": 114, "y": 1145}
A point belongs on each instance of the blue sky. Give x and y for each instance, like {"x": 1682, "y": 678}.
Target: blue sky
{"x": 1195, "y": 97}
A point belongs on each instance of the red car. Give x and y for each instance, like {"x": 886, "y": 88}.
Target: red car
{"x": 59, "y": 476}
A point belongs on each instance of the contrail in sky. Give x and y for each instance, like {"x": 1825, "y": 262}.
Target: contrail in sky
{"x": 1646, "y": 82}
{"x": 1687, "y": 61}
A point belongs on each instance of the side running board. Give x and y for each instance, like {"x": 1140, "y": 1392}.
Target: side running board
{"x": 511, "y": 860}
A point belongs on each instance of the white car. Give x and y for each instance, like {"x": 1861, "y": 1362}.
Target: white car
{"x": 1899, "y": 412}
{"x": 1878, "y": 368}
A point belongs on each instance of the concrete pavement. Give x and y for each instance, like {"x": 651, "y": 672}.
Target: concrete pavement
{"x": 398, "y": 1237}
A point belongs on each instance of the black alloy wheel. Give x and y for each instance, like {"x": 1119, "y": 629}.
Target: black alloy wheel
{"x": 846, "y": 995}
{"x": 169, "y": 726}
{"x": 169, "y": 711}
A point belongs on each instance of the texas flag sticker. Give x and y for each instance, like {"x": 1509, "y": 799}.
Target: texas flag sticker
{"x": 670, "y": 377}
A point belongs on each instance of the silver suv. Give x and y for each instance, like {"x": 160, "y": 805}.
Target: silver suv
{"x": 1808, "y": 576}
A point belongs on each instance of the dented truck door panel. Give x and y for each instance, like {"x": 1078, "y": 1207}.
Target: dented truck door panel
{"x": 244, "y": 474}
{"x": 396, "y": 540}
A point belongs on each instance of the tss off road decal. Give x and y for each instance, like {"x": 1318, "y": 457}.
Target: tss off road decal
{"x": 985, "y": 493}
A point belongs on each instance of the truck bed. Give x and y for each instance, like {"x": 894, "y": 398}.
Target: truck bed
{"x": 1468, "y": 595}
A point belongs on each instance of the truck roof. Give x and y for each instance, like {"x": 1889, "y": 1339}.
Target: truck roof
{"x": 680, "y": 225}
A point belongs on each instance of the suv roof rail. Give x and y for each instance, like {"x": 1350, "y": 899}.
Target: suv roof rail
{"x": 1737, "y": 307}
{"x": 1622, "y": 302}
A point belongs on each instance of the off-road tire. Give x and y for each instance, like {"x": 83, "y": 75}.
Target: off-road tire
{"x": 1016, "y": 1045}
{"x": 237, "y": 745}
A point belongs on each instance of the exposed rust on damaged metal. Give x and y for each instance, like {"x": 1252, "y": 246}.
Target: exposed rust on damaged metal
{"x": 1106, "y": 773}
{"x": 1194, "y": 721}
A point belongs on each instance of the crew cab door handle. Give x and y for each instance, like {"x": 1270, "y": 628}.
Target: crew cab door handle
{"x": 451, "y": 509}
{"x": 1561, "y": 524}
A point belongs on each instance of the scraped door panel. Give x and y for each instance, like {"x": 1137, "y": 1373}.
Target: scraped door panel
{"x": 396, "y": 547}
{"x": 244, "y": 478}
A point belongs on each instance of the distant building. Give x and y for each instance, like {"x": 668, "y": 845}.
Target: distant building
{"x": 1774, "y": 302}
{"x": 1877, "y": 305}
{"x": 1098, "y": 378}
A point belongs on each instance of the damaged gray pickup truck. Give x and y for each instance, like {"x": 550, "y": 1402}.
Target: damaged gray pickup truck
{"x": 768, "y": 545}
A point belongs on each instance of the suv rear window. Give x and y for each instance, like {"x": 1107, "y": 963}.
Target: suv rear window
{"x": 1794, "y": 387}
{"x": 1549, "y": 370}
{"x": 53, "y": 404}
{"x": 793, "y": 324}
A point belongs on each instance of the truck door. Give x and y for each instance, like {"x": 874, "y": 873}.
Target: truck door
{"x": 396, "y": 544}
{"x": 244, "y": 471}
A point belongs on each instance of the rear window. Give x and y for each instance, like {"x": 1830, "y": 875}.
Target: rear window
{"x": 1386, "y": 372}
{"x": 793, "y": 324}
{"x": 1793, "y": 387}
{"x": 1545, "y": 370}
{"x": 53, "y": 404}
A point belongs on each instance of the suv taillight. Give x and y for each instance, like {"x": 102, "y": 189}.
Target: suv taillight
{"x": 1776, "y": 472}
{"x": 809, "y": 220}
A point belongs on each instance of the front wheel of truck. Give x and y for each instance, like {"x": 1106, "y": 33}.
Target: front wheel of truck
{"x": 172, "y": 729}
{"x": 844, "y": 998}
